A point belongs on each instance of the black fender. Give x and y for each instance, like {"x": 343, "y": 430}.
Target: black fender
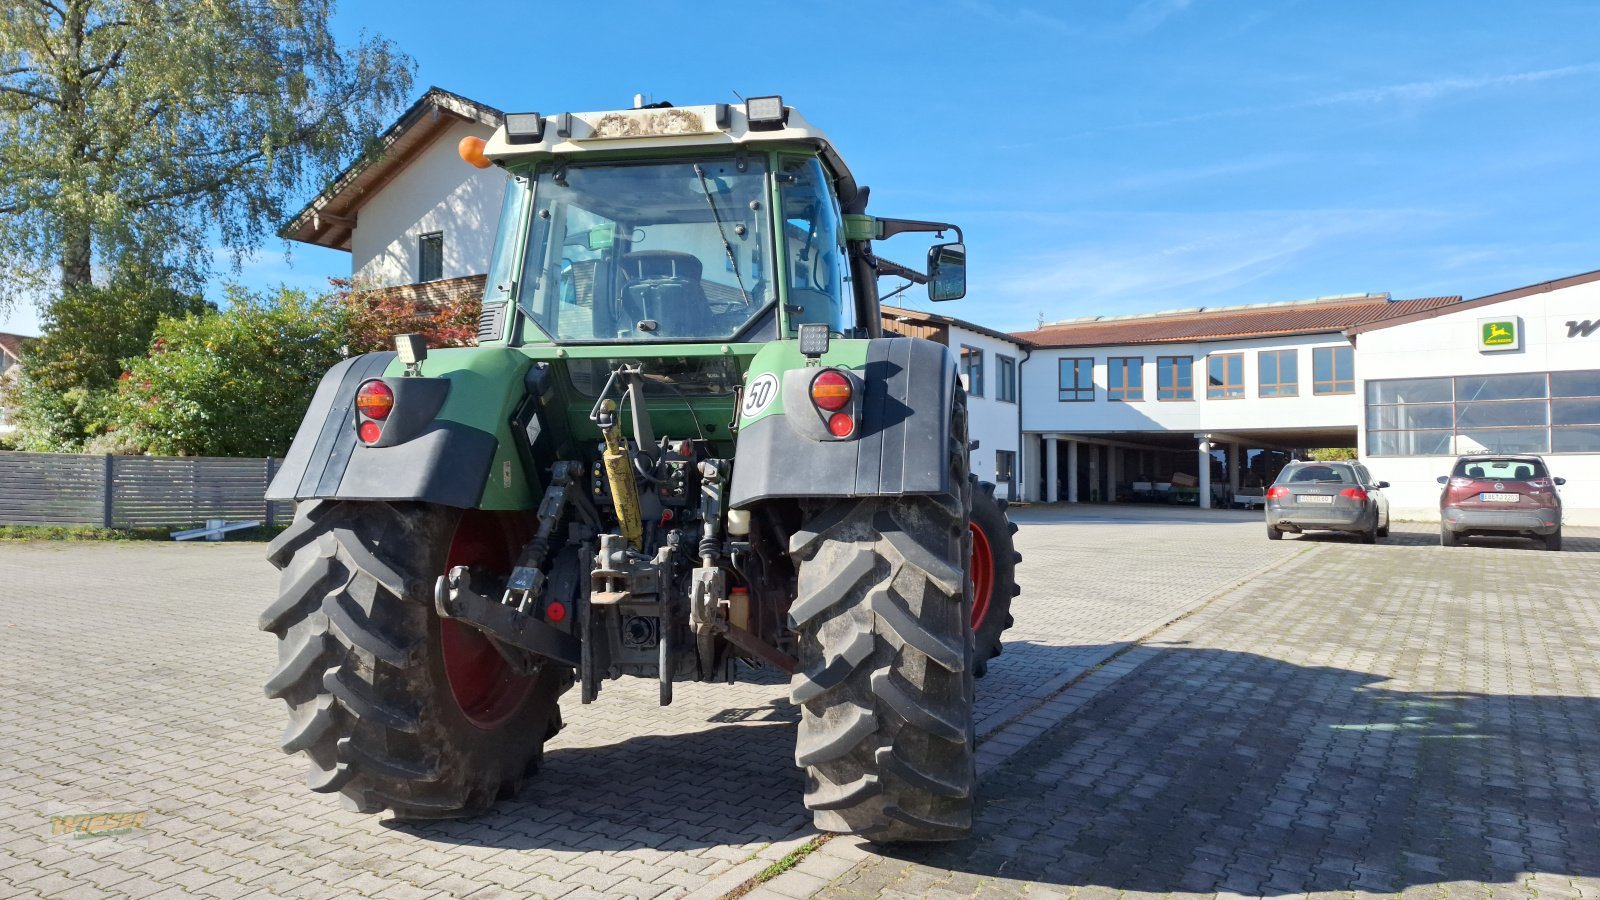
{"x": 418, "y": 457}
{"x": 901, "y": 445}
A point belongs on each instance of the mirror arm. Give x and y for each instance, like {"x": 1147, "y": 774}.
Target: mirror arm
{"x": 890, "y": 267}
{"x": 888, "y": 228}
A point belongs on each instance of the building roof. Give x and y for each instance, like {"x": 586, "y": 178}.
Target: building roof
{"x": 1323, "y": 315}
{"x": 1542, "y": 287}
{"x": 330, "y": 218}
{"x": 12, "y": 343}
{"x": 920, "y": 317}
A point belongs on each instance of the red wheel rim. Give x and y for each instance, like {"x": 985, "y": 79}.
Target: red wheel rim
{"x": 484, "y": 685}
{"x": 982, "y": 576}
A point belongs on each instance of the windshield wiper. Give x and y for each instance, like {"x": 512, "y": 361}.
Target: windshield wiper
{"x": 721, "y": 232}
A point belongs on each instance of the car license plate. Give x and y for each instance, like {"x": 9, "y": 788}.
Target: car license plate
{"x": 1499, "y": 498}
{"x": 1313, "y": 498}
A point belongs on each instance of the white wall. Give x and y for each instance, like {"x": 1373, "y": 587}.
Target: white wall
{"x": 1448, "y": 345}
{"x": 989, "y": 421}
{"x": 1044, "y": 412}
{"x": 436, "y": 192}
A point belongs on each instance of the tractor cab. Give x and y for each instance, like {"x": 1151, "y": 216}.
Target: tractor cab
{"x": 685, "y": 225}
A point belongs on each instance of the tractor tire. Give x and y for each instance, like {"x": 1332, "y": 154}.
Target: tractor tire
{"x": 393, "y": 707}
{"x": 994, "y": 574}
{"x": 883, "y": 615}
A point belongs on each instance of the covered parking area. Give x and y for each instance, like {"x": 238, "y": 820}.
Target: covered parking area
{"x": 1204, "y": 469}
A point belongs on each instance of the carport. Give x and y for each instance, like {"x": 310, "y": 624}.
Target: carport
{"x": 1205, "y": 469}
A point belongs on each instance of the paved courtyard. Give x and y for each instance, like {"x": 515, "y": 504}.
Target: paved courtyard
{"x": 1348, "y": 713}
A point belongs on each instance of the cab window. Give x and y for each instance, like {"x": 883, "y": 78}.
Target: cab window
{"x": 814, "y": 253}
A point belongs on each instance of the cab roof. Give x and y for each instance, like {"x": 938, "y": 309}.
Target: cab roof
{"x": 645, "y": 132}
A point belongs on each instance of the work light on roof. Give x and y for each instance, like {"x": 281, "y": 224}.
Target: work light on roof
{"x": 765, "y": 113}
{"x": 524, "y": 128}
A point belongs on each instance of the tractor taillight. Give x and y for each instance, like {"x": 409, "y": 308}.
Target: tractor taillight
{"x": 556, "y": 611}
{"x": 840, "y": 424}
{"x": 375, "y": 400}
{"x": 369, "y": 432}
{"x": 831, "y": 391}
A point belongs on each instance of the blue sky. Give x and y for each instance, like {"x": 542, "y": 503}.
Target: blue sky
{"x": 1111, "y": 157}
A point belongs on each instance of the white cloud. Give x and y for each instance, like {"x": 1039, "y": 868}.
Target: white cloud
{"x": 1413, "y": 92}
{"x": 1423, "y": 91}
{"x": 1134, "y": 262}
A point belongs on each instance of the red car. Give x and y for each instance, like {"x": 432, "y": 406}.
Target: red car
{"x": 1498, "y": 493}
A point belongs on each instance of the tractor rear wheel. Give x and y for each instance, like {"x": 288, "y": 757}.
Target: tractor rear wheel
{"x": 994, "y": 574}
{"x": 883, "y": 615}
{"x": 394, "y": 707}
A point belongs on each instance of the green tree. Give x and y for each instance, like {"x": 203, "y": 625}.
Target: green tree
{"x": 234, "y": 383}
{"x": 69, "y": 375}
{"x": 1332, "y": 454}
{"x": 149, "y": 127}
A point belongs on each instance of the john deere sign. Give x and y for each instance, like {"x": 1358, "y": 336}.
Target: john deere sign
{"x": 1499, "y": 334}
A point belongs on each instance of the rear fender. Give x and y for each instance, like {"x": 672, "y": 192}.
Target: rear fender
{"x": 448, "y": 440}
{"x": 901, "y": 443}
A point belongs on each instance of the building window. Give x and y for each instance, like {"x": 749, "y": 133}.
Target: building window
{"x": 1279, "y": 372}
{"x": 1557, "y": 412}
{"x": 1174, "y": 378}
{"x": 1077, "y": 380}
{"x": 1224, "y": 376}
{"x": 1125, "y": 378}
{"x": 1005, "y": 470}
{"x": 1005, "y": 389}
{"x": 430, "y": 256}
{"x": 972, "y": 368}
{"x": 1333, "y": 370}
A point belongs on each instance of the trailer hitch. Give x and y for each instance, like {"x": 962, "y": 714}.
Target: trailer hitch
{"x": 454, "y": 598}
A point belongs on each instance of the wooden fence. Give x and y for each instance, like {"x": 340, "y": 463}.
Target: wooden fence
{"x": 135, "y": 491}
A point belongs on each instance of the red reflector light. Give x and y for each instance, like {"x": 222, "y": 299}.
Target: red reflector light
{"x": 556, "y": 611}
{"x": 375, "y": 400}
{"x": 840, "y": 425}
{"x": 1277, "y": 492}
{"x": 1354, "y": 493}
{"x": 830, "y": 391}
{"x": 369, "y": 432}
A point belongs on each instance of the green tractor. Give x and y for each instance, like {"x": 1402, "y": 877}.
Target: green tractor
{"x": 683, "y": 446}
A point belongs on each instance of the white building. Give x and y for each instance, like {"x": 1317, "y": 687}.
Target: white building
{"x": 1514, "y": 372}
{"x": 990, "y": 365}
{"x": 412, "y": 215}
{"x": 1208, "y": 402}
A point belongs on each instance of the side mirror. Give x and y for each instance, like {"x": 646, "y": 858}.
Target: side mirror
{"x": 1382, "y": 485}
{"x": 1560, "y": 481}
{"x": 1444, "y": 479}
{"x": 947, "y": 272}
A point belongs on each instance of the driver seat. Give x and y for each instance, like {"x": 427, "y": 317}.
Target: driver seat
{"x": 664, "y": 286}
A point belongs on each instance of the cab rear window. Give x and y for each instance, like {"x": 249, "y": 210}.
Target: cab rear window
{"x": 1500, "y": 469}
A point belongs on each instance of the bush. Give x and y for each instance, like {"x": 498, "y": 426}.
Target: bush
{"x": 234, "y": 383}
{"x": 68, "y": 377}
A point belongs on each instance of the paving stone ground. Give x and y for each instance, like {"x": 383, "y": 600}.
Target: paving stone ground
{"x": 1360, "y": 720}
{"x": 133, "y": 684}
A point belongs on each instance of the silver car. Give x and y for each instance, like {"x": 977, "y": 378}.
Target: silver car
{"x": 1327, "y": 496}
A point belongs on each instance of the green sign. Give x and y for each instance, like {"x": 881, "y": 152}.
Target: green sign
{"x": 1500, "y": 334}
